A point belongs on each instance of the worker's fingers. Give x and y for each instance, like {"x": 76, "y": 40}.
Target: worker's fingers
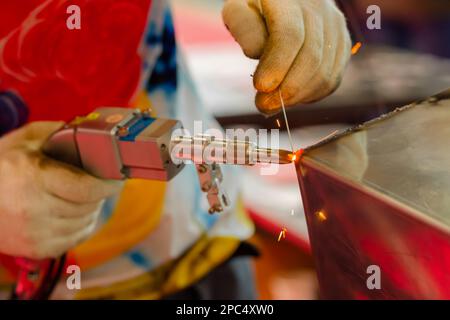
{"x": 32, "y": 135}
{"x": 343, "y": 55}
{"x": 72, "y": 184}
{"x": 324, "y": 80}
{"x": 303, "y": 69}
{"x": 60, "y": 208}
{"x": 51, "y": 226}
{"x": 41, "y": 130}
{"x": 286, "y": 35}
{"x": 320, "y": 88}
{"x": 54, "y": 247}
{"x": 67, "y": 226}
{"x": 245, "y": 23}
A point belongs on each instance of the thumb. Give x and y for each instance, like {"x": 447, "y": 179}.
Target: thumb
{"x": 32, "y": 135}
{"x": 39, "y": 132}
{"x": 246, "y": 24}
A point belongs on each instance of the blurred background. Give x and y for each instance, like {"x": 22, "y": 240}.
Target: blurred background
{"x": 407, "y": 59}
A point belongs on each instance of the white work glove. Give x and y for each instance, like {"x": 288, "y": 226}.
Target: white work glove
{"x": 303, "y": 47}
{"x": 46, "y": 207}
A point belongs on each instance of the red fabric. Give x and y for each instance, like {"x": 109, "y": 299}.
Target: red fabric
{"x": 61, "y": 73}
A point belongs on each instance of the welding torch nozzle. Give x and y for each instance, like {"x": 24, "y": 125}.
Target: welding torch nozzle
{"x": 207, "y": 149}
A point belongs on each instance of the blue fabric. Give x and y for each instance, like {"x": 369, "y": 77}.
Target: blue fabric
{"x": 164, "y": 73}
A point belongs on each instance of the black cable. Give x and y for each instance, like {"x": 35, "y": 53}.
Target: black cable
{"x": 53, "y": 280}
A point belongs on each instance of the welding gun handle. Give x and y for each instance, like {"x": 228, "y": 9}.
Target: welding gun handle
{"x": 62, "y": 146}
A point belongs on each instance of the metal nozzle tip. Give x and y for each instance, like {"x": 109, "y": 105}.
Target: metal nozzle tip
{"x": 286, "y": 157}
{"x": 279, "y": 156}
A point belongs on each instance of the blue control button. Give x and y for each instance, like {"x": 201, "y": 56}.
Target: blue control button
{"x": 137, "y": 128}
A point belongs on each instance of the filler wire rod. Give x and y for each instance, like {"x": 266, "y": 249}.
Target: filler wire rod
{"x": 286, "y": 121}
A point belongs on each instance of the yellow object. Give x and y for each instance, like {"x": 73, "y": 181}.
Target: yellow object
{"x": 136, "y": 215}
{"x": 93, "y": 116}
{"x": 174, "y": 276}
{"x": 142, "y": 102}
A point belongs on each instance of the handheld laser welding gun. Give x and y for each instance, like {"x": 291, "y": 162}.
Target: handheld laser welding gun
{"x": 121, "y": 143}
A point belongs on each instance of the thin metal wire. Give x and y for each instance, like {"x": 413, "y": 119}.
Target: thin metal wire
{"x": 286, "y": 121}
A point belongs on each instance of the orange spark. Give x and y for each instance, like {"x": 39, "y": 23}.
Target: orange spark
{"x": 321, "y": 215}
{"x": 278, "y": 123}
{"x": 282, "y": 234}
{"x": 356, "y": 48}
{"x": 296, "y": 156}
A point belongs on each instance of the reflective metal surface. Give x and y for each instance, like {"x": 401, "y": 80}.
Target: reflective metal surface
{"x": 380, "y": 195}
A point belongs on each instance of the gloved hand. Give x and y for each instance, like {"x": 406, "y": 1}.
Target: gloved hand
{"x": 46, "y": 207}
{"x": 303, "y": 47}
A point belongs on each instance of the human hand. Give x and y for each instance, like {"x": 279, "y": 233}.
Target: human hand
{"x": 46, "y": 207}
{"x": 303, "y": 47}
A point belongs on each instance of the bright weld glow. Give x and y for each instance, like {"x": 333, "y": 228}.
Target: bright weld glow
{"x": 356, "y": 48}
{"x": 296, "y": 155}
{"x": 282, "y": 234}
